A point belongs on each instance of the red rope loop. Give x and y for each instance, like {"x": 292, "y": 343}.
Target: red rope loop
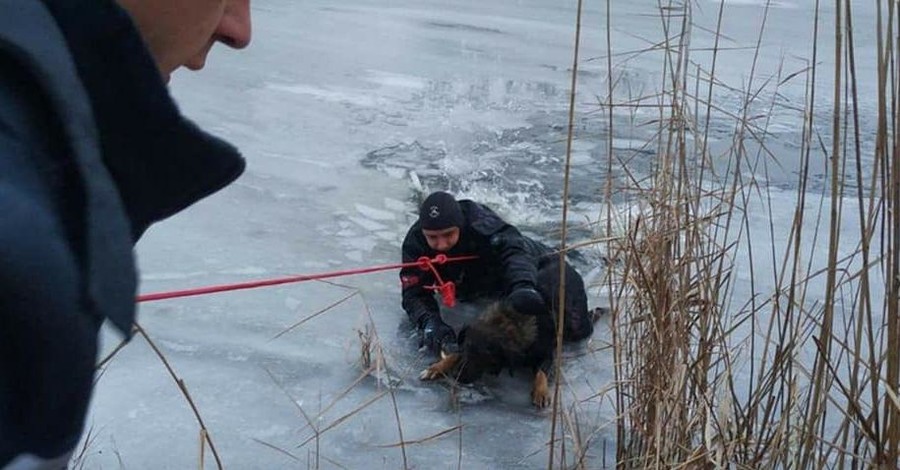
{"x": 446, "y": 289}
{"x": 424, "y": 263}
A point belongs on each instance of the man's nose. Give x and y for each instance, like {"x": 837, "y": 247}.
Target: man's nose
{"x": 235, "y": 30}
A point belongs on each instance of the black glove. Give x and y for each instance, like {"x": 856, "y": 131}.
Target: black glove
{"x": 437, "y": 336}
{"x": 527, "y": 301}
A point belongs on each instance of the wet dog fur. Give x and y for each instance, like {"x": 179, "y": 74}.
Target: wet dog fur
{"x": 501, "y": 338}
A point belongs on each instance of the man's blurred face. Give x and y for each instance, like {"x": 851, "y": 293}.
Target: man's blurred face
{"x": 442, "y": 240}
{"x": 181, "y": 32}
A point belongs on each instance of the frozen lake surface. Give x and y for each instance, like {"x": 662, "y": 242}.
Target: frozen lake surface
{"x": 343, "y": 109}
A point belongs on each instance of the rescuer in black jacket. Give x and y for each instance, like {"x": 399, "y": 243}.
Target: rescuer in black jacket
{"x": 506, "y": 266}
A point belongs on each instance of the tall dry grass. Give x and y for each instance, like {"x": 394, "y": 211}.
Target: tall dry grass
{"x": 797, "y": 365}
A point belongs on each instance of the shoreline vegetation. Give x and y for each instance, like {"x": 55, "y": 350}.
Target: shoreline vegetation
{"x": 803, "y": 372}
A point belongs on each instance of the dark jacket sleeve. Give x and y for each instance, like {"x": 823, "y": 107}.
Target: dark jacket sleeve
{"x": 48, "y": 338}
{"x": 519, "y": 265}
{"x": 418, "y": 302}
{"x": 509, "y": 247}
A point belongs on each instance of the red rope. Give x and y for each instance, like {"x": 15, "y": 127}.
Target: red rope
{"x": 423, "y": 263}
{"x": 446, "y": 289}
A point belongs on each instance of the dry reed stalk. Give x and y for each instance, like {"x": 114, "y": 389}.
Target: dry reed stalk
{"x": 310, "y": 422}
{"x": 111, "y": 355}
{"x": 334, "y": 304}
{"x": 373, "y": 361}
{"x": 204, "y": 431}
{"x": 560, "y": 320}
{"x": 372, "y": 342}
{"x": 892, "y": 422}
{"x": 818, "y": 390}
{"x": 78, "y": 461}
{"x": 343, "y": 418}
{"x": 426, "y": 439}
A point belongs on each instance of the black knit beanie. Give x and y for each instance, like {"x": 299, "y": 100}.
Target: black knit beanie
{"x": 439, "y": 211}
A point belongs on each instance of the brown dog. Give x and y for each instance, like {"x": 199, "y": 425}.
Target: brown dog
{"x": 502, "y": 338}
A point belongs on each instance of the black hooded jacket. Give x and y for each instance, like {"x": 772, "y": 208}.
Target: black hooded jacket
{"x": 92, "y": 151}
{"x": 506, "y": 260}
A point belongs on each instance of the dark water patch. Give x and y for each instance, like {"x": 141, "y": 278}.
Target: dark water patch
{"x": 520, "y": 170}
{"x": 523, "y": 167}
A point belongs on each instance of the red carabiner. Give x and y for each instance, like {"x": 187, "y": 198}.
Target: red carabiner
{"x": 448, "y": 294}
{"x": 447, "y": 291}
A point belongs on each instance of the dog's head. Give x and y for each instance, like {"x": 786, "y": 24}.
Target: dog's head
{"x": 494, "y": 341}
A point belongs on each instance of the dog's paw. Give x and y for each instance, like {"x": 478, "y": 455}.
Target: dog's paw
{"x": 540, "y": 398}
{"x": 431, "y": 373}
{"x": 540, "y": 393}
{"x": 440, "y": 368}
